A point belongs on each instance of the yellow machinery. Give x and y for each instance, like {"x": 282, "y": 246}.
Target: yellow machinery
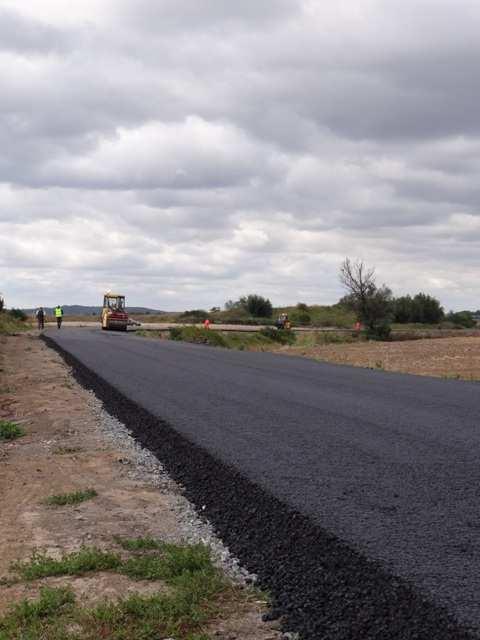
{"x": 114, "y": 315}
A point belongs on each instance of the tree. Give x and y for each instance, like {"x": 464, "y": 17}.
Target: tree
{"x": 403, "y": 309}
{"x": 462, "y": 319}
{"x": 372, "y": 305}
{"x": 421, "y": 308}
{"x": 2, "y": 303}
{"x": 257, "y": 306}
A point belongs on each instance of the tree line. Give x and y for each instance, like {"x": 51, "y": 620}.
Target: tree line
{"x": 376, "y": 307}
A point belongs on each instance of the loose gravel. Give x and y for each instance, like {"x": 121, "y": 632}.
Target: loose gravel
{"x": 321, "y": 587}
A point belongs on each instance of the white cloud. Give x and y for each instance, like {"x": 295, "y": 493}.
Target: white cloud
{"x": 192, "y": 152}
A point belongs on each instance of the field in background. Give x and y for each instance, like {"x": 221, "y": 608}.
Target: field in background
{"x": 454, "y": 357}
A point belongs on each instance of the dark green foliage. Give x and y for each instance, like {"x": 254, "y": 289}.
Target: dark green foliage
{"x": 282, "y": 336}
{"x": 301, "y": 306}
{"x": 422, "y": 308}
{"x": 198, "y": 335}
{"x": 379, "y": 332}
{"x": 462, "y": 319}
{"x": 257, "y": 306}
{"x": 193, "y": 316}
{"x": 10, "y": 430}
{"x": 18, "y": 314}
{"x": 301, "y": 318}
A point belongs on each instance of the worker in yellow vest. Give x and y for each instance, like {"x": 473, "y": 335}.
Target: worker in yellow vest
{"x": 59, "y": 315}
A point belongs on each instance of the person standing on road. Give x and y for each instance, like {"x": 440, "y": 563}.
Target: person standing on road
{"x": 58, "y": 315}
{"x": 40, "y": 315}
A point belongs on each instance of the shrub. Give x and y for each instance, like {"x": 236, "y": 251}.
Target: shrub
{"x": 18, "y": 314}
{"x": 281, "y": 336}
{"x": 462, "y": 319}
{"x": 301, "y": 317}
{"x": 379, "y": 332}
{"x": 198, "y": 335}
{"x": 194, "y": 315}
{"x": 301, "y": 306}
{"x": 10, "y": 430}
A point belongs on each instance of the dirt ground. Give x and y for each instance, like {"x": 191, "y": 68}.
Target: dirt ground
{"x": 441, "y": 357}
{"x": 65, "y": 450}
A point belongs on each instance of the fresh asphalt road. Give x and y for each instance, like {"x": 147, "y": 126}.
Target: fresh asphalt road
{"x": 387, "y": 462}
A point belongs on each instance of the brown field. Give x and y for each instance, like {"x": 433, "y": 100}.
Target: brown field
{"x": 444, "y": 358}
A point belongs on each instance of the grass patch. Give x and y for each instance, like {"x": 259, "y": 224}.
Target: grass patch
{"x": 171, "y": 562}
{"x": 10, "y": 430}
{"x": 45, "y": 617}
{"x": 87, "y": 559}
{"x": 138, "y": 544}
{"x": 10, "y": 325}
{"x": 76, "y": 497}
{"x": 197, "y": 590}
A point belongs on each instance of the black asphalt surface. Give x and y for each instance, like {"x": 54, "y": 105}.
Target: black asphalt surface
{"x": 387, "y": 463}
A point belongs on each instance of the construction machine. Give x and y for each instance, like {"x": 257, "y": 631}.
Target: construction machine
{"x": 114, "y": 315}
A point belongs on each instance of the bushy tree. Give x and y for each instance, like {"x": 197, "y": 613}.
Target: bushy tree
{"x": 373, "y": 305}
{"x": 422, "y": 308}
{"x": 403, "y": 309}
{"x": 257, "y": 306}
{"x": 462, "y": 318}
{"x": 2, "y": 303}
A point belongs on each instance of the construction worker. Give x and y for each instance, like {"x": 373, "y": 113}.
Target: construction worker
{"x": 40, "y": 315}
{"x": 59, "y": 315}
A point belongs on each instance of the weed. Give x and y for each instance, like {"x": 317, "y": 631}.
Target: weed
{"x": 138, "y": 544}
{"x": 76, "y": 497}
{"x": 60, "y": 451}
{"x": 379, "y": 364}
{"x": 40, "y": 618}
{"x": 278, "y": 335}
{"x": 41, "y": 565}
{"x": 196, "y": 589}
{"x": 10, "y": 430}
{"x": 172, "y": 561}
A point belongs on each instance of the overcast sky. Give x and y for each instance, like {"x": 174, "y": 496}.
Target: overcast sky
{"x": 190, "y": 151}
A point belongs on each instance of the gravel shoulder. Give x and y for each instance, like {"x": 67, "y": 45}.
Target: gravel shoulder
{"x": 72, "y": 444}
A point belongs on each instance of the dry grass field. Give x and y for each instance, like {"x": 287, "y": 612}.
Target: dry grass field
{"x": 445, "y": 357}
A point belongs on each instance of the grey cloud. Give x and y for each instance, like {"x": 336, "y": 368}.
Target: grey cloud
{"x": 27, "y": 36}
{"x": 195, "y": 151}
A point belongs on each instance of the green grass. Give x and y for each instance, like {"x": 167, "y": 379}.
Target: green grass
{"x": 87, "y": 559}
{"x": 76, "y": 497}
{"x": 169, "y": 563}
{"x": 181, "y": 612}
{"x": 138, "y": 544}
{"x": 10, "y": 430}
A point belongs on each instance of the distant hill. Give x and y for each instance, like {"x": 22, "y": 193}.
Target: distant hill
{"x": 81, "y": 310}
